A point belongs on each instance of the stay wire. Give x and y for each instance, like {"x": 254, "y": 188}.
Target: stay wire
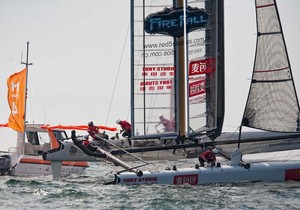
{"x": 119, "y": 67}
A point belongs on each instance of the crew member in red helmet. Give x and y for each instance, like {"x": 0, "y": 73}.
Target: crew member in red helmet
{"x": 207, "y": 156}
{"x": 125, "y": 129}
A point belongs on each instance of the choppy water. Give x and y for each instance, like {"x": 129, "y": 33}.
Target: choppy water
{"x": 88, "y": 191}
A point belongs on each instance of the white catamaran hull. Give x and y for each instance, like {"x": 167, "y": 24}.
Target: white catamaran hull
{"x": 267, "y": 172}
{"x": 276, "y": 169}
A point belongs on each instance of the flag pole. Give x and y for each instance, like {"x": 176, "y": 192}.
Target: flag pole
{"x": 25, "y": 98}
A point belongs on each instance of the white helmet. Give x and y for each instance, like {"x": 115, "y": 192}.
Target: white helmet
{"x": 118, "y": 121}
{"x": 215, "y": 151}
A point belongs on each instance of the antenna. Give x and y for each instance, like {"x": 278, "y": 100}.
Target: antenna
{"x": 25, "y": 104}
{"x": 21, "y": 56}
{"x": 27, "y": 64}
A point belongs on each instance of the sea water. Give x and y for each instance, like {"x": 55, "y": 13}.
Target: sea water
{"x": 87, "y": 191}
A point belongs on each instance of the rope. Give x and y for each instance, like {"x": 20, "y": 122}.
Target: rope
{"x": 32, "y": 84}
{"x": 119, "y": 67}
{"x": 128, "y": 153}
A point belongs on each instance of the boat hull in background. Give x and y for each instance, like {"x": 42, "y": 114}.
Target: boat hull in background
{"x": 28, "y": 165}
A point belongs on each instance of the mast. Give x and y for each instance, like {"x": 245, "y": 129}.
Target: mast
{"x": 181, "y": 76}
{"x": 25, "y": 99}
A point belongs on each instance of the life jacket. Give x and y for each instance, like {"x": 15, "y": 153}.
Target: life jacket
{"x": 208, "y": 155}
{"x": 85, "y": 143}
{"x": 92, "y": 130}
{"x": 125, "y": 125}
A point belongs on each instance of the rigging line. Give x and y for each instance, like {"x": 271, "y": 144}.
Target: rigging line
{"x": 123, "y": 150}
{"x": 119, "y": 67}
{"x": 29, "y": 104}
{"x": 251, "y": 144}
{"x": 288, "y": 156}
{"x": 32, "y": 84}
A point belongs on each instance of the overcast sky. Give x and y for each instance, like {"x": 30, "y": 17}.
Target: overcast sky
{"x": 76, "y": 47}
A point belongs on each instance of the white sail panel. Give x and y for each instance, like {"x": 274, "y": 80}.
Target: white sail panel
{"x": 202, "y": 76}
{"x": 174, "y": 68}
{"x": 153, "y": 70}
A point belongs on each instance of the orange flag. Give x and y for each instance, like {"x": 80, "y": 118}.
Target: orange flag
{"x": 16, "y": 84}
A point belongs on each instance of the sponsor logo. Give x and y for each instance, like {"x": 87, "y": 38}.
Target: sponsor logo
{"x": 197, "y": 88}
{"x": 292, "y": 174}
{"x": 191, "y": 179}
{"x": 140, "y": 180}
{"x": 170, "y": 21}
{"x": 199, "y": 67}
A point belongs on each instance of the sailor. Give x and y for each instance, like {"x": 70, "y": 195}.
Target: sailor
{"x": 98, "y": 138}
{"x": 88, "y": 144}
{"x": 207, "y": 156}
{"x": 125, "y": 129}
{"x": 92, "y": 130}
{"x": 169, "y": 125}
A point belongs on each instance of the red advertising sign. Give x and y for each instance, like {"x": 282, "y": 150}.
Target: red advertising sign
{"x": 292, "y": 174}
{"x": 201, "y": 66}
{"x": 196, "y": 88}
{"x": 156, "y": 78}
{"x": 191, "y": 179}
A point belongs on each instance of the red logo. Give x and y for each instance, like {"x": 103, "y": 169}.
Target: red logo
{"x": 197, "y": 88}
{"x": 201, "y": 66}
{"x": 191, "y": 179}
{"x": 292, "y": 174}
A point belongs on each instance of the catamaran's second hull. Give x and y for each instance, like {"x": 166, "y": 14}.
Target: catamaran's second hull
{"x": 266, "y": 172}
{"x": 266, "y": 167}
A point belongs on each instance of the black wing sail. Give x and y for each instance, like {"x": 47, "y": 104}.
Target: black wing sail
{"x": 272, "y": 103}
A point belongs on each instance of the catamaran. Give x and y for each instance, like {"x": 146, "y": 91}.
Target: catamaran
{"x": 272, "y": 105}
{"x": 177, "y": 66}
